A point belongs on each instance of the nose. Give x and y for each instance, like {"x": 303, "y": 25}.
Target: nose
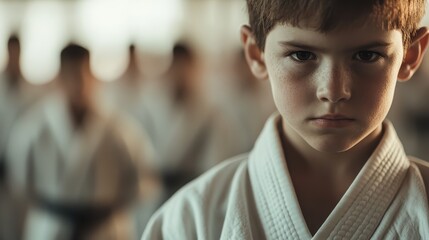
{"x": 333, "y": 84}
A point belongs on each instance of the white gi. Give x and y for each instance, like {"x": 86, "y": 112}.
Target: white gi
{"x": 14, "y": 101}
{"x": 99, "y": 164}
{"x": 188, "y": 136}
{"x": 252, "y": 197}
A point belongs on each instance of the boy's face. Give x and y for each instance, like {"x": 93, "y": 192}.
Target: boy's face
{"x": 333, "y": 89}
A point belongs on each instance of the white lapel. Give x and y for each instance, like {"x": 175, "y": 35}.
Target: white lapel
{"x": 275, "y": 197}
{"x": 83, "y": 150}
{"x": 364, "y": 204}
{"x": 358, "y": 212}
{"x": 77, "y": 148}
{"x": 58, "y": 121}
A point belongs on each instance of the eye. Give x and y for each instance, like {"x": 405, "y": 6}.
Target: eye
{"x": 302, "y": 56}
{"x": 367, "y": 56}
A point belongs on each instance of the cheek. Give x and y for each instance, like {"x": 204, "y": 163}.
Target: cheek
{"x": 376, "y": 91}
{"x": 291, "y": 91}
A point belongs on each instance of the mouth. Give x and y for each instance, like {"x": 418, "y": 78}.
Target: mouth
{"x": 333, "y": 117}
{"x": 332, "y": 121}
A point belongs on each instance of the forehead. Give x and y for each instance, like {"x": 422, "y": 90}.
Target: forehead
{"x": 327, "y": 15}
{"x": 341, "y": 38}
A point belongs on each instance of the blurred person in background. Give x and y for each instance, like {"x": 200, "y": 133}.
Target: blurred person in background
{"x": 16, "y": 95}
{"x": 126, "y": 95}
{"x": 246, "y": 102}
{"x": 82, "y": 167}
{"x": 186, "y": 131}
{"x": 127, "y": 92}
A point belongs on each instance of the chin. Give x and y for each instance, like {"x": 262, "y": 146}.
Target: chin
{"x": 331, "y": 146}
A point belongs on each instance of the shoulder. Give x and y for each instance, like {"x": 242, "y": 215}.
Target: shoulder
{"x": 197, "y": 211}
{"x": 423, "y": 168}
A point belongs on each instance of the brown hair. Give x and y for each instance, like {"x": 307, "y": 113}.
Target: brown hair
{"x": 327, "y": 15}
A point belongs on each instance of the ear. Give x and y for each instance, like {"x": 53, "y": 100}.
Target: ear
{"x": 254, "y": 55}
{"x": 414, "y": 54}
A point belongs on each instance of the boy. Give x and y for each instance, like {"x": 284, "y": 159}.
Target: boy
{"x": 329, "y": 166}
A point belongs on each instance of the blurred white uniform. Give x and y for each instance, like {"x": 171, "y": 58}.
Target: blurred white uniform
{"x": 189, "y": 137}
{"x": 97, "y": 165}
{"x": 14, "y": 101}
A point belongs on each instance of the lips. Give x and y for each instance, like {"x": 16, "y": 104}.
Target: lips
{"x": 332, "y": 121}
{"x": 334, "y": 117}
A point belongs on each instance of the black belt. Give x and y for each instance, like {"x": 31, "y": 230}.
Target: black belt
{"x": 174, "y": 180}
{"x": 2, "y": 168}
{"x": 83, "y": 218}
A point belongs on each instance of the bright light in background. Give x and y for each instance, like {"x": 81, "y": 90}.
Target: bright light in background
{"x": 105, "y": 28}
{"x": 157, "y": 24}
{"x": 3, "y": 36}
{"x": 44, "y": 33}
{"x": 109, "y": 62}
{"x": 109, "y": 26}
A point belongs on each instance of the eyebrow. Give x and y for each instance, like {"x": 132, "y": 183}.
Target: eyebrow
{"x": 313, "y": 48}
